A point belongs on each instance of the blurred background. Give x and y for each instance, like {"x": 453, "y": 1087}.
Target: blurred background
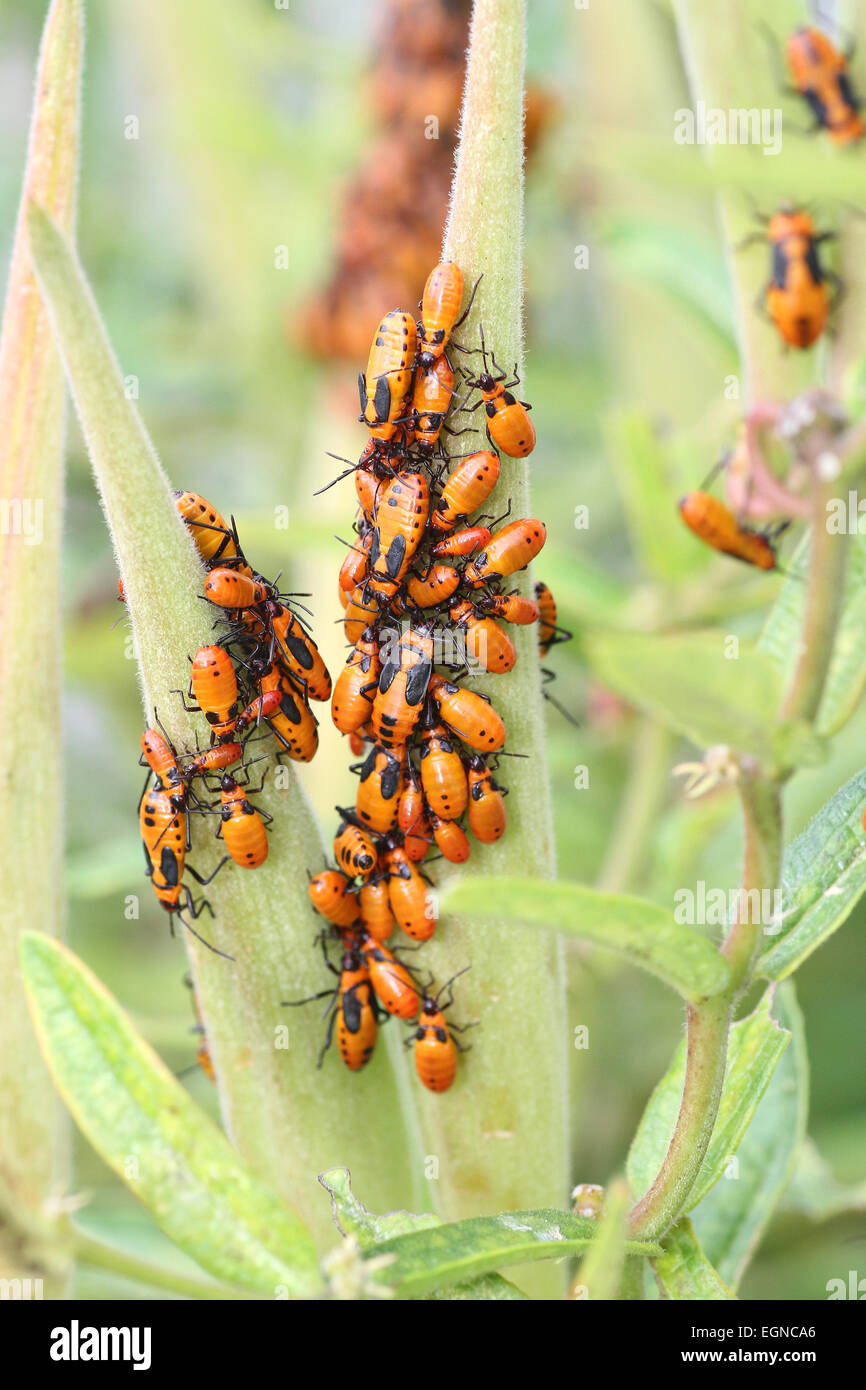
{"x": 258, "y": 186}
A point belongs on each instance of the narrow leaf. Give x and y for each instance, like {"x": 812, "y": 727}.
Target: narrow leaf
{"x": 689, "y": 682}
{"x": 823, "y": 879}
{"x": 601, "y": 1268}
{"x": 814, "y": 1191}
{"x": 353, "y": 1219}
{"x": 426, "y": 1260}
{"x": 684, "y": 1272}
{"x": 32, "y": 427}
{"x": 145, "y": 1126}
{"x": 665, "y": 547}
{"x": 756, "y": 1044}
{"x": 732, "y": 1217}
{"x": 642, "y": 932}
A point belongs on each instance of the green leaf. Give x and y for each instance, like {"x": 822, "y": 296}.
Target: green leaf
{"x": 823, "y": 879}
{"x": 688, "y": 682}
{"x": 732, "y": 1217}
{"x": 444, "y": 1255}
{"x": 353, "y": 1219}
{"x": 846, "y": 677}
{"x": 755, "y": 1046}
{"x": 684, "y": 1271}
{"x": 642, "y": 932}
{"x": 815, "y": 1192}
{"x": 665, "y": 546}
{"x": 144, "y": 1125}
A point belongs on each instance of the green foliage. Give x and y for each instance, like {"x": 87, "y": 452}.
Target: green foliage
{"x": 640, "y": 932}
{"x": 684, "y": 1272}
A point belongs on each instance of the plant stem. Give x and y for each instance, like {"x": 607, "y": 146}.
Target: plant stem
{"x": 34, "y": 1156}
{"x": 500, "y": 1134}
{"x": 824, "y": 600}
{"x": 96, "y": 1253}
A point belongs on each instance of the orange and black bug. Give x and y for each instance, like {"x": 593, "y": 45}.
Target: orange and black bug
{"x": 158, "y": 754}
{"x": 352, "y": 1009}
{"x": 440, "y": 307}
{"x": 403, "y": 687}
{"x": 435, "y": 586}
{"x": 407, "y": 894}
{"x": 121, "y": 591}
{"x": 394, "y": 987}
{"x": 400, "y": 522}
{"x": 435, "y": 1046}
{"x": 796, "y": 297}
{"x": 509, "y": 550}
{"x": 513, "y": 608}
{"x": 450, "y": 839}
{"x": 412, "y": 818}
{"x": 214, "y": 538}
{"x": 381, "y": 783}
{"x": 241, "y": 825}
{"x": 509, "y": 427}
{"x": 469, "y": 716}
{"x": 165, "y": 839}
{"x": 376, "y": 915}
{"x": 214, "y": 687}
{"x": 296, "y": 651}
{"x": 819, "y": 72}
{"x": 202, "y": 1054}
{"x": 227, "y": 588}
{"x": 293, "y": 724}
{"x": 464, "y": 542}
{"x": 332, "y": 894}
{"x": 717, "y": 526}
{"x": 354, "y": 848}
{"x": 486, "y": 814}
{"x": 264, "y": 706}
{"x": 431, "y": 397}
{"x": 549, "y": 632}
{"x": 466, "y": 490}
{"x": 360, "y": 613}
{"x": 355, "y": 687}
{"x": 353, "y": 570}
{"x": 385, "y": 386}
{"x": 484, "y": 642}
{"x": 443, "y": 775}
{"x": 215, "y": 759}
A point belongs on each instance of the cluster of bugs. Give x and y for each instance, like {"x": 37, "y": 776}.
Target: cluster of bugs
{"x": 259, "y": 679}
{"x": 800, "y": 294}
{"x": 426, "y": 583}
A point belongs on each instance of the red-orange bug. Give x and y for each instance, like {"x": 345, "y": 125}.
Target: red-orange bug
{"x": 549, "y": 632}
{"x": 466, "y": 490}
{"x": 450, "y": 839}
{"x": 214, "y": 686}
{"x": 394, "y": 987}
{"x": 508, "y": 551}
{"x": 354, "y": 850}
{"x": 399, "y": 525}
{"x": 360, "y": 613}
{"x": 819, "y": 72}
{"x": 509, "y": 427}
{"x": 440, "y": 307}
{"x": 436, "y": 586}
{"x": 485, "y": 644}
{"x": 353, "y": 570}
{"x": 464, "y": 542}
{"x": 376, "y": 914}
{"x": 513, "y": 608}
{"x": 386, "y": 384}
{"x": 355, "y": 687}
{"x": 407, "y": 895}
{"x": 717, "y": 526}
{"x": 435, "y": 1047}
{"x": 412, "y": 818}
{"x": 165, "y": 840}
{"x": 797, "y": 297}
{"x": 470, "y": 717}
{"x": 297, "y": 652}
{"x": 332, "y": 894}
{"x": 214, "y": 538}
{"x": 486, "y": 814}
{"x": 431, "y": 397}
{"x": 242, "y": 826}
{"x": 379, "y": 789}
{"x": 352, "y": 1009}
{"x": 402, "y": 688}
{"x": 215, "y": 759}
{"x": 229, "y": 589}
{"x": 443, "y": 775}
